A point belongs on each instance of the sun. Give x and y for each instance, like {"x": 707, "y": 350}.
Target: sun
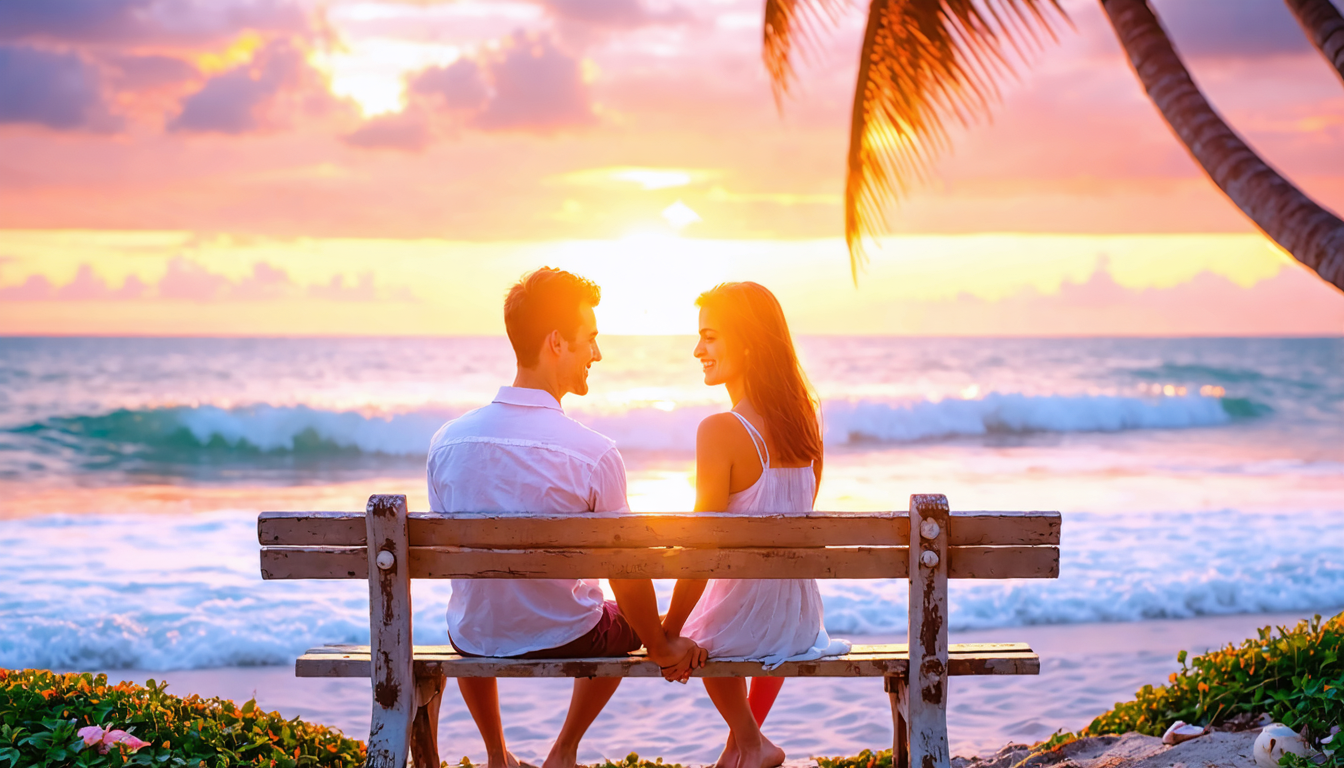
{"x": 649, "y": 280}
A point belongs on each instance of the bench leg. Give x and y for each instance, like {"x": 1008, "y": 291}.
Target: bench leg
{"x": 926, "y": 706}
{"x": 425, "y": 730}
{"x": 391, "y": 671}
{"x": 900, "y": 741}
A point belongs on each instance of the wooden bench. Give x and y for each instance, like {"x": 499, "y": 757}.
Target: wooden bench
{"x": 389, "y": 547}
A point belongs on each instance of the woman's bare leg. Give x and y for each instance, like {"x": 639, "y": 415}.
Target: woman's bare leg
{"x": 729, "y": 695}
{"x": 761, "y": 697}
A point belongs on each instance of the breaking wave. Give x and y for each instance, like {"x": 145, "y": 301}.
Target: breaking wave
{"x": 183, "y": 433}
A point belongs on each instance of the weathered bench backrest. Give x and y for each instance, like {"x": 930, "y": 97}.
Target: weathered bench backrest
{"x": 928, "y": 545}
{"x": 821, "y": 545}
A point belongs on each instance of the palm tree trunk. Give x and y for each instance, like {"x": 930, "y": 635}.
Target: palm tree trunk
{"x": 1311, "y": 234}
{"x": 1323, "y": 24}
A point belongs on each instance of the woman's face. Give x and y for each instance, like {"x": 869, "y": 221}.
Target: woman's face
{"x": 721, "y": 360}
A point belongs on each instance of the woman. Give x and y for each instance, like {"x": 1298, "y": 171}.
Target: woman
{"x": 762, "y": 457}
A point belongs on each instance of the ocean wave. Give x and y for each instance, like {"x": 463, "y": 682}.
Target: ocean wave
{"x": 144, "y": 592}
{"x": 184, "y": 433}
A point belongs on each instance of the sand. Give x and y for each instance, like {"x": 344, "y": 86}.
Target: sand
{"x": 1085, "y": 670}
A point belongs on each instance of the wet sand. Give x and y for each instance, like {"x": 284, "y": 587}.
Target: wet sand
{"x": 1085, "y": 669}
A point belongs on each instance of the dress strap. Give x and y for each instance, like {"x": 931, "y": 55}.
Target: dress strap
{"x": 757, "y": 441}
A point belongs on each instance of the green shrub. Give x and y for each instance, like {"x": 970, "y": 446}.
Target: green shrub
{"x": 41, "y": 713}
{"x": 865, "y": 759}
{"x": 1296, "y": 675}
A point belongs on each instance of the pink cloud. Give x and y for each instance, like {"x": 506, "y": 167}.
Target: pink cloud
{"x": 35, "y": 288}
{"x": 186, "y": 280}
{"x": 189, "y": 281}
{"x": 337, "y": 290}
{"x": 87, "y": 285}
{"x": 1293, "y": 302}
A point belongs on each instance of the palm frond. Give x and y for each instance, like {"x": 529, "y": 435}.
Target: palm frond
{"x": 792, "y": 25}
{"x": 924, "y": 63}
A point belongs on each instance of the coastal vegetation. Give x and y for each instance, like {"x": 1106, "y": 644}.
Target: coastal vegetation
{"x": 1295, "y": 675}
{"x": 51, "y": 719}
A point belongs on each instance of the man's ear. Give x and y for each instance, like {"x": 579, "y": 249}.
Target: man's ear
{"x": 554, "y": 343}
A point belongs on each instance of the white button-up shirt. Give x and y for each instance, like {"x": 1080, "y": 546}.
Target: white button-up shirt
{"x": 522, "y": 453}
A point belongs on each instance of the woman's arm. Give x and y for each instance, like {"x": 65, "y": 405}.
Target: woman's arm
{"x": 713, "y": 463}
{"x": 713, "y": 468}
{"x": 684, "y": 597}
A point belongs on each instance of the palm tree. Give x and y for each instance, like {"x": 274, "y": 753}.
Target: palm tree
{"x": 926, "y": 62}
{"x": 1323, "y": 24}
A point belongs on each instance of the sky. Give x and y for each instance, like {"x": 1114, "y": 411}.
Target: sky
{"x": 290, "y": 167}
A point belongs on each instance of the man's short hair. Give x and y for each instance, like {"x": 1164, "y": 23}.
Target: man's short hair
{"x": 543, "y": 301}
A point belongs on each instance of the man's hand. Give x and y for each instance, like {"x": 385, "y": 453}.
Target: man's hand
{"x": 680, "y": 657}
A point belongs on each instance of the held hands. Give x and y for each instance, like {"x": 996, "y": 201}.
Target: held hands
{"x": 681, "y": 657}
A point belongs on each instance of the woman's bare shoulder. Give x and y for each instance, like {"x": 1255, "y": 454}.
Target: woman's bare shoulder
{"x": 721, "y": 430}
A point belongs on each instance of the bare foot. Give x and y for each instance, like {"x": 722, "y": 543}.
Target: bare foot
{"x": 507, "y": 761}
{"x": 728, "y": 758}
{"x": 768, "y": 756}
{"x": 561, "y": 757}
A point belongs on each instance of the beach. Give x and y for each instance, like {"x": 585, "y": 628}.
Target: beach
{"x": 1085, "y": 669}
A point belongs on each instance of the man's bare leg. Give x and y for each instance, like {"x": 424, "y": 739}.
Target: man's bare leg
{"x": 482, "y": 697}
{"x": 591, "y": 694}
{"x": 761, "y": 697}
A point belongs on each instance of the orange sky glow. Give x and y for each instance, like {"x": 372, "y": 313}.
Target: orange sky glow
{"x": 287, "y": 167}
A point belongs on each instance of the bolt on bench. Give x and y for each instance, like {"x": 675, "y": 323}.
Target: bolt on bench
{"x": 389, "y": 547}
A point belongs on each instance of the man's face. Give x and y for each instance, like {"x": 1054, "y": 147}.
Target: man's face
{"x": 578, "y": 356}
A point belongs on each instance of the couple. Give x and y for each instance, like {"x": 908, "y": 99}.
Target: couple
{"x": 522, "y": 454}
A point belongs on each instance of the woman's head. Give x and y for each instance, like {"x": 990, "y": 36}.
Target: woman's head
{"x": 745, "y": 341}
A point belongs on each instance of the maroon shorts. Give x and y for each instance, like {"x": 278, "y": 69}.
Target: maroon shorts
{"x": 612, "y": 636}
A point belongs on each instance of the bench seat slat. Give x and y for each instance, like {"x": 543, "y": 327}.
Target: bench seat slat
{"x": 971, "y": 659}
{"x": 857, "y": 650}
{"x": 668, "y": 563}
{"x": 658, "y": 530}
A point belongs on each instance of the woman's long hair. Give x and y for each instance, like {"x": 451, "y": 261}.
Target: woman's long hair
{"x": 775, "y": 382}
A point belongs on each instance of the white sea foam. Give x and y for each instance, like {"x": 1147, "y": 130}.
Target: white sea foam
{"x": 106, "y": 592}
{"x": 647, "y": 426}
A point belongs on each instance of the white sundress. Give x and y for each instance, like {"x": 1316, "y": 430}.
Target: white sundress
{"x": 766, "y": 620}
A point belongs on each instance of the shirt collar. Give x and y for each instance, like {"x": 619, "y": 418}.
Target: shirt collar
{"x": 530, "y": 398}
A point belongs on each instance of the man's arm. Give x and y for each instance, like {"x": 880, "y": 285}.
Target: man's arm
{"x": 639, "y": 605}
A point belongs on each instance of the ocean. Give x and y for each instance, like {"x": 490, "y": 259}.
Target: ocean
{"x": 1196, "y": 477}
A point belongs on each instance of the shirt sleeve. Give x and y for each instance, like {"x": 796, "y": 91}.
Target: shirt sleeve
{"x": 608, "y": 484}
{"x": 431, "y": 466}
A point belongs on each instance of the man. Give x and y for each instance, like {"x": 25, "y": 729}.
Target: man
{"x": 522, "y": 454}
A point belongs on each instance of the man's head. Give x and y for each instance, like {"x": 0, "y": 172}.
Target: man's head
{"x": 549, "y": 318}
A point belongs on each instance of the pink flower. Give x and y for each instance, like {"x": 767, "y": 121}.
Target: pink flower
{"x": 91, "y": 734}
{"x": 121, "y": 737}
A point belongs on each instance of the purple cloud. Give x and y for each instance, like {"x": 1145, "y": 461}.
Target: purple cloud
{"x": 623, "y": 14}
{"x": 148, "y": 72}
{"x": 537, "y": 88}
{"x": 458, "y": 86}
{"x": 160, "y": 22}
{"x": 56, "y": 90}
{"x": 236, "y": 101}
{"x": 407, "y": 131}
